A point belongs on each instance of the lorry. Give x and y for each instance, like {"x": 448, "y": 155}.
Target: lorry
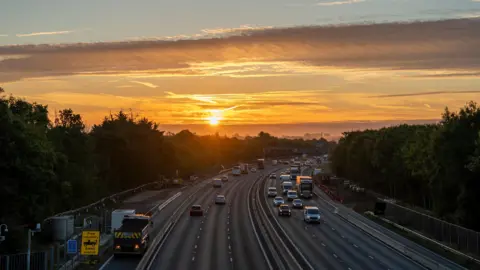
{"x": 244, "y": 168}
{"x": 294, "y": 172}
{"x": 261, "y": 164}
{"x": 236, "y": 171}
{"x": 305, "y": 186}
{"x": 133, "y": 236}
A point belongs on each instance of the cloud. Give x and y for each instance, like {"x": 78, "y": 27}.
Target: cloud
{"x": 427, "y": 94}
{"x": 336, "y": 3}
{"x": 45, "y": 33}
{"x": 147, "y": 84}
{"x": 3, "y": 35}
{"x": 417, "y": 47}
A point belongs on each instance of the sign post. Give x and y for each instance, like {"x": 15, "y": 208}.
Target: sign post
{"x": 72, "y": 247}
{"x": 90, "y": 243}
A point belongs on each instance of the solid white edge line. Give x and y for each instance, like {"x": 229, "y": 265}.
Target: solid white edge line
{"x": 253, "y": 226}
{"x": 106, "y": 263}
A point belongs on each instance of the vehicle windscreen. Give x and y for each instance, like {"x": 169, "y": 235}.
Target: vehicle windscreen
{"x": 196, "y": 208}
{"x": 284, "y": 207}
{"x": 272, "y": 189}
{"x": 291, "y": 193}
{"x": 313, "y": 212}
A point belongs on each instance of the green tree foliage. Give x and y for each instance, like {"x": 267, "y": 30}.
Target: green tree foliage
{"x": 47, "y": 167}
{"x": 433, "y": 166}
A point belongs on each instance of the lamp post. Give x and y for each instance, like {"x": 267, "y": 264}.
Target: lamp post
{"x": 29, "y": 248}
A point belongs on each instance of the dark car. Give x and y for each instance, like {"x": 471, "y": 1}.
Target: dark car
{"x": 297, "y": 203}
{"x": 284, "y": 210}
{"x": 196, "y": 210}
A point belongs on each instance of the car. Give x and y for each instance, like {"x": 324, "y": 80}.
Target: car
{"x": 196, "y": 210}
{"x": 284, "y": 210}
{"x": 272, "y": 191}
{"x": 292, "y": 195}
{"x": 278, "y": 201}
{"x": 224, "y": 178}
{"x": 297, "y": 203}
{"x": 220, "y": 199}
{"x": 311, "y": 214}
{"x": 273, "y": 176}
{"x": 253, "y": 170}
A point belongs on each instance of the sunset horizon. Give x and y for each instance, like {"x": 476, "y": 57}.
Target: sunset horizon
{"x": 304, "y": 76}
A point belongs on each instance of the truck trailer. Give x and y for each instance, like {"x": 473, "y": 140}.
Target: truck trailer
{"x": 261, "y": 164}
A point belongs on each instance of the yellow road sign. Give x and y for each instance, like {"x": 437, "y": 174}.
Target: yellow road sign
{"x": 90, "y": 242}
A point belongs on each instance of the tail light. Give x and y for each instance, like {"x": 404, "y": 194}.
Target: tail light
{"x": 137, "y": 246}
{"x": 117, "y": 247}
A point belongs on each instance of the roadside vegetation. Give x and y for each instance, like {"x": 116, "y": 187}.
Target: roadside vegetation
{"x": 435, "y": 167}
{"x": 50, "y": 166}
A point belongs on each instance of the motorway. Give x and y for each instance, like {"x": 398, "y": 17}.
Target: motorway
{"x": 221, "y": 239}
{"x": 224, "y": 238}
{"x": 337, "y": 244}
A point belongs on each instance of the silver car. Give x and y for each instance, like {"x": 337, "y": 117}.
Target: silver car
{"x": 220, "y": 199}
{"x": 278, "y": 201}
{"x": 311, "y": 214}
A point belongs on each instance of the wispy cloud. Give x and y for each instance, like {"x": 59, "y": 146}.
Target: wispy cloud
{"x": 427, "y": 94}
{"x": 147, "y": 84}
{"x": 336, "y": 3}
{"x": 45, "y": 33}
{"x": 3, "y": 35}
{"x": 450, "y": 46}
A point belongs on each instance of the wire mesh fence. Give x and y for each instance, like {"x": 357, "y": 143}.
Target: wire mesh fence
{"x": 454, "y": 236}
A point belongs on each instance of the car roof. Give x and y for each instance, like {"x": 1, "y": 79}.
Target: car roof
{"x": 219, "y": 195}
{"x": 284, "y": 205}
{"x": 272, "y": 188}
{"x": 311, "y": 207}
{"x": 292, "y": 190}
{"x": 297, "y": 200}
{"x": 278, "y": 198}
{"x": 196, "y": 206}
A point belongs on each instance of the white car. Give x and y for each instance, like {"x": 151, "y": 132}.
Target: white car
{"x": 220, "y": 199}
{"x": 273, "y": 176}
{"x": 278, "y": 201}
{"x": 272, "y": 192}
{"x": 292, "y": 195}
{"x": 311, "y": 214}
{"x": 253, "y": 170}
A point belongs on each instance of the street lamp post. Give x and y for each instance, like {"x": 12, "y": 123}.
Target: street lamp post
{"x": 29, "y": 245}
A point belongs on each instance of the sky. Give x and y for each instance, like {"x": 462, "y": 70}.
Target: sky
{"x": 284, "y": 66}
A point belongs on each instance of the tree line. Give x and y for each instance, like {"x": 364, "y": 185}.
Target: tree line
{"x": 50, "y": 166}
{"x": 434, "y": 166}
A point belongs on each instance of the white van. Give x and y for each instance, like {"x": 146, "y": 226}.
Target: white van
{"x": 284, "y": 177}
{"x": 286, "y": 186}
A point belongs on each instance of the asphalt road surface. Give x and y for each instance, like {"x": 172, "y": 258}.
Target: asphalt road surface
{"x": 222, "y": 239}
{"x": 326, "y": 204}
{"x": 337, "y": 244}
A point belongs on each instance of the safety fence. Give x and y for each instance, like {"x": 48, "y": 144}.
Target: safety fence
{"x": 454, "y": 236}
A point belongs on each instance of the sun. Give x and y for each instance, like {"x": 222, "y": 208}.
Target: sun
{"x": 213, "y": 121}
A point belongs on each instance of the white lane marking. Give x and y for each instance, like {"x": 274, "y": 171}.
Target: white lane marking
{"x": 355, "y": 246}
{"x": 106, "y": 263}
{"x": 370, "y": 257}
{"x": 323, "y": 244}
{"x": 193, "y": 258}
{"x": 335, "y": 255}
{"x": 195, "y": 246}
